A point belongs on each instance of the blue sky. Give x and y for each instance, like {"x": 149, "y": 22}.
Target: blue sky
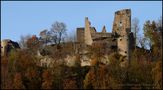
{"x": 30, "y": 17}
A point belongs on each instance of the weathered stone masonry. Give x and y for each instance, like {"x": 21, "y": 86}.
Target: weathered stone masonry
{"x": 121, "y": 35}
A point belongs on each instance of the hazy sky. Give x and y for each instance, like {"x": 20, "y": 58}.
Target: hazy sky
{"x": 30, "y": 17}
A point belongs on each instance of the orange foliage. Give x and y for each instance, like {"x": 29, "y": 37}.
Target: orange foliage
{"x": 33, "y": 42}
{"x": 18, "y": 81}
{"x": 47, "y": 80}
{"x": 70, "y": 84}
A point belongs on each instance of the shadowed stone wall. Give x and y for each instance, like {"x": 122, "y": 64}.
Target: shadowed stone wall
{"x": 7, "y": 45}
{"x": 80, "y": 35}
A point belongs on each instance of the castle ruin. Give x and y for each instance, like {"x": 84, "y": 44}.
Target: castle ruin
{"x": 120, "y": 38}
{"x": 7, "y": 45}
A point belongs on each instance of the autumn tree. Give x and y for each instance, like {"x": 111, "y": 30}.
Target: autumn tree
{"x": 33, "y": 44}
{"x": 4, "y": 72}
{"x": 153, "y": 33}
{"x": 142, "y": 41}
{"x": 145, "y": 68}
{"x": 70, "y": 84}
{"x": 58, "y": 30}
{"x": 58, "y": 74}
{"x": 139, "y": 74}
{"x": 104, "y": 76}
{"x": 157, "y": 74}
{"x": 23, "y": 40}
{"x": 135, "y": 27}
{"x": 23, "y": 70}
{"x": 18, "y": 83}
{"x": 45, "y": 36}
{"x": 47, "y": 80}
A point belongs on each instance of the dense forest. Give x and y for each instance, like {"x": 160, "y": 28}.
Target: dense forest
{"x": 20, "y": 69}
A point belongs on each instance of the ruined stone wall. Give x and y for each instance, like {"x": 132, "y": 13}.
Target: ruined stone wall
{"x": 4, "y": 44}
{"x": 122, "y": 45}
{"x": 80, "y": 35}
{"x": 121, "y": 39}
{"x": 132, "y": 41}
{"x": 7, "y": 45}
{"x": 93, "y": 29}
{"x": 99, "y": 34}
{"x": 121, "y": 26}
{"x": 87, "y": 32}
{"x": 108, "y": 41}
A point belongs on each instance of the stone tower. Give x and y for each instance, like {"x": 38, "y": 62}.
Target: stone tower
{"x": 87, "y": 32}
{"x": 122, "y": 27}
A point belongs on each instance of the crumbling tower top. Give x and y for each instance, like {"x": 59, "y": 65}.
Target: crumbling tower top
{"x": 122, "y": 22}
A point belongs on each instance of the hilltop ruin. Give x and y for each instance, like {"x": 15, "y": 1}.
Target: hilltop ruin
{"x": 121, "y": 38}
